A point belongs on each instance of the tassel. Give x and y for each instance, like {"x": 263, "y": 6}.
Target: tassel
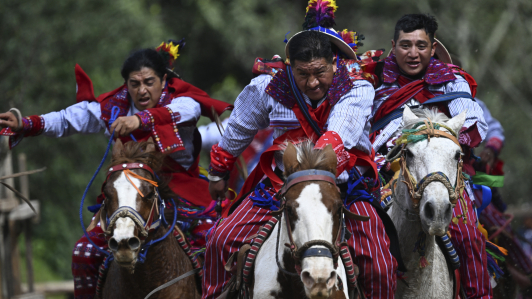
{"x": 423, "y": 262}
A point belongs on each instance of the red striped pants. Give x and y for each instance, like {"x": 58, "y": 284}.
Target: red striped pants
{"x": 470, "y": 245}
{"x": 369, "y": 247}
{"x": 86, "y": 261}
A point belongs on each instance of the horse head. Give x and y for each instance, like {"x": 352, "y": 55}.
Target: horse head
{"x": 431, "y": 167}
{"x": 312, "y": 210}
{"x": 131, "y": 207}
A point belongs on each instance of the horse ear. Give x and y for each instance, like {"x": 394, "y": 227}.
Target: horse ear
{"x": 408, "y": 115}
{"x": 150, "y": 147}
{"x": 330, "y": 158}
{"x": 290, "y": 158}
{"x": 118, "y": 149}
{"x": 457, "y": 122}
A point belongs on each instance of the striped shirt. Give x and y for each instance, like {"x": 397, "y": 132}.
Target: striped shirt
{"x": 85, "y": 118}
{"x": 255, "y": 110}
{"x": 495, "y": 129}
{"x": 456, "y": 106}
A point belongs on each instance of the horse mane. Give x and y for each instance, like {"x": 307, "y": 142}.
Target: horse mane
{"x": 135, "y": 152}
{"x": 423, "y": 114}
{"x": 308, "y": 158}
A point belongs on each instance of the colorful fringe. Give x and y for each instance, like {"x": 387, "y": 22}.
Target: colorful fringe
{"x": 495, "y": 253}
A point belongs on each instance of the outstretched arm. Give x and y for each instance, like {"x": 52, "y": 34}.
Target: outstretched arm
{"x": 251, "y": 113}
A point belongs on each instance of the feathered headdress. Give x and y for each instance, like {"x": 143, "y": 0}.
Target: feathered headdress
{"x": 320, "y": 13}
{"x": 352, "y": 38}
{"x": 169, "y": 51}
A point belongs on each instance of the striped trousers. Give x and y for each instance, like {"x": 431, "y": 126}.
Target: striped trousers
{"x": 369, "y": 247}
{"x": 470, "y": 246}
{"x": 86, "y": 261}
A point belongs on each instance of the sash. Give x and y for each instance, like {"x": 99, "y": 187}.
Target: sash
{"x": 383, "y": 122}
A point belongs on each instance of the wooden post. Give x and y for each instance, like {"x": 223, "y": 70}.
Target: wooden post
{"x": 25, "y": 190}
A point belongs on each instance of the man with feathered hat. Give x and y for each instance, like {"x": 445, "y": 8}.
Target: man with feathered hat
{"x": 411, "y": 76}
{"x": 152, "y": 103}
{"x": 321, "y": 93}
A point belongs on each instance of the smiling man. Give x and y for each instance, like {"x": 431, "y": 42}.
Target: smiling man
{"x": 315, "y": 97}
{"x": 411, "y": 76}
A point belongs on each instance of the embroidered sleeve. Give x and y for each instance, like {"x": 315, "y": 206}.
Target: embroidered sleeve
{"x": 475, "y": 126}
{"x": 222, "y": 162}
{"x": 31, "y": 126}
{"x": 163, "y": 122}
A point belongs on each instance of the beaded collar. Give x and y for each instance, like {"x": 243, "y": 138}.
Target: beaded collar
{"x": 279, "y": 87}
{"x": 437, "y": 71}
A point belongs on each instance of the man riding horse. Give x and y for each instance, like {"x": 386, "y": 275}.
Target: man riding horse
{"x": 317, "y": 95}
{"x": 411, "y": 76}
{"x": 152, "y": 102}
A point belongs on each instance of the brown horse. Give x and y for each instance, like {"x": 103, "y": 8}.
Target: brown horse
{"x": 131, "y": 189}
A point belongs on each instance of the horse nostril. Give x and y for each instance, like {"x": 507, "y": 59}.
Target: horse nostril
{"x": 113, "y": 244}
{"x": 307, "y": 279}
{"x": 449, "y": 210}
{"x": 429, "y": 211}
{"x": 133, "y": 243}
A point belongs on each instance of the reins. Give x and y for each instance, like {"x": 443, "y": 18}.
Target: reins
{"x": 421, "y": 131}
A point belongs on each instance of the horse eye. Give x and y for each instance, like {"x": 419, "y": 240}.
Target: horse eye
{"x": 409, "y": 154}
{"x": 148, "y": 196}
{"x": 458, "y": 155}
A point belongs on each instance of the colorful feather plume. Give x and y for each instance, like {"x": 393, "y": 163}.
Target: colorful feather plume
{"x": 352, "y": 39}
{"x": 169, "y": 51}
{"x": 320, "y": 13}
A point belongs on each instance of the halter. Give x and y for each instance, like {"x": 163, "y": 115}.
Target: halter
{"x": 416, "y": 193}
{"x": 306, "y": 250}
{"x": 145, "y": 227}
{"x": 156, "y": 213}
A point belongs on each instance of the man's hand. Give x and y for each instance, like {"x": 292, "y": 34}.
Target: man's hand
{"x": 487, "y": 157}
{"x": 124, "y": 125}
{"x": 218, "y": 189}
{"x": 9, "y": 120}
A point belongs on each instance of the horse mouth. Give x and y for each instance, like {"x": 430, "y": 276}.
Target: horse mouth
{"x": 127, "y": 265}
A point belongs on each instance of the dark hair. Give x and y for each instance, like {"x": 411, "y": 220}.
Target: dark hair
{"x": 146, "y": 58}
{"x": 411, "y": 22}
{"x": 310, "y": 45}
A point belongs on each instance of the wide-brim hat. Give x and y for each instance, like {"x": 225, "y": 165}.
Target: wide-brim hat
{"x": 335, "y": 39}
{"x": 441, "y": 53}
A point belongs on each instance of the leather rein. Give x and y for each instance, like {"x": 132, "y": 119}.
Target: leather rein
{"x": 307, "y": 250}
{"x": 416, "y": 189}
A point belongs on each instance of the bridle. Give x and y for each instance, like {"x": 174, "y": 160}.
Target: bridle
{"x": 145, "y": 227}
{"x": 416, "y": 189}
{"x": 307, "y": 250}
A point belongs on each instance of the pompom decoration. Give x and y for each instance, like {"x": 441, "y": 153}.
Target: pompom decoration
{"x": 169, "y": 51}
{"x": 320, "y": 13}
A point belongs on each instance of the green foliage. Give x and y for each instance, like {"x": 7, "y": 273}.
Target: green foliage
{"x": 42, "y": 41}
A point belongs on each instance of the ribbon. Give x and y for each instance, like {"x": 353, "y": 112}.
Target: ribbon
{"x": 481, "y": 178}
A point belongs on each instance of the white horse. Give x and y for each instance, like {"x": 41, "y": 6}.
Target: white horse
{"x": 314, "y": 209}
{"x": 431, "y": 216}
